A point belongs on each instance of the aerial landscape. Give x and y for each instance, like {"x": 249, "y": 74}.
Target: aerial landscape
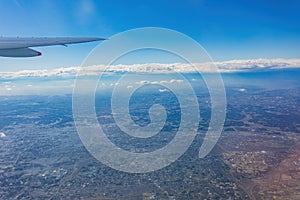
{"x": 144, "y": 98}
{"x": 256, "y": 157}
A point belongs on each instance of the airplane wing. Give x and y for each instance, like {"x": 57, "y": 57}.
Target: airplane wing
{"x": 20, "y": 47}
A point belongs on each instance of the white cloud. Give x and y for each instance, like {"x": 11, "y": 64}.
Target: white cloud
{"x": 176, "y": 81}
{"x": 162, "y": 90}
{"x": 163, "y": 81}
{"x": 226, "y": 66}
{"x": 154, "y": 82}
{"x": 143, "y": 82}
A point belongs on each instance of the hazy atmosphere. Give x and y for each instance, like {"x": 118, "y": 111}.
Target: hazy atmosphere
{"x": 160, "y": 100}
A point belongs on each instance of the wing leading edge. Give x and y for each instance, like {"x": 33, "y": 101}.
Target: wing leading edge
{"x": 19, "y": 47}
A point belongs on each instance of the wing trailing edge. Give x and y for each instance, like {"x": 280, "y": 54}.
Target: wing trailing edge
{"x": 20, "y": 52}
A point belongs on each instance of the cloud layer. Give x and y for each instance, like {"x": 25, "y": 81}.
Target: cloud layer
{"x": 226, "y": 66}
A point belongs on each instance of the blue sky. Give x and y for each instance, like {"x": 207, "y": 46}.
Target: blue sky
{"x": 242, "y": 29}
